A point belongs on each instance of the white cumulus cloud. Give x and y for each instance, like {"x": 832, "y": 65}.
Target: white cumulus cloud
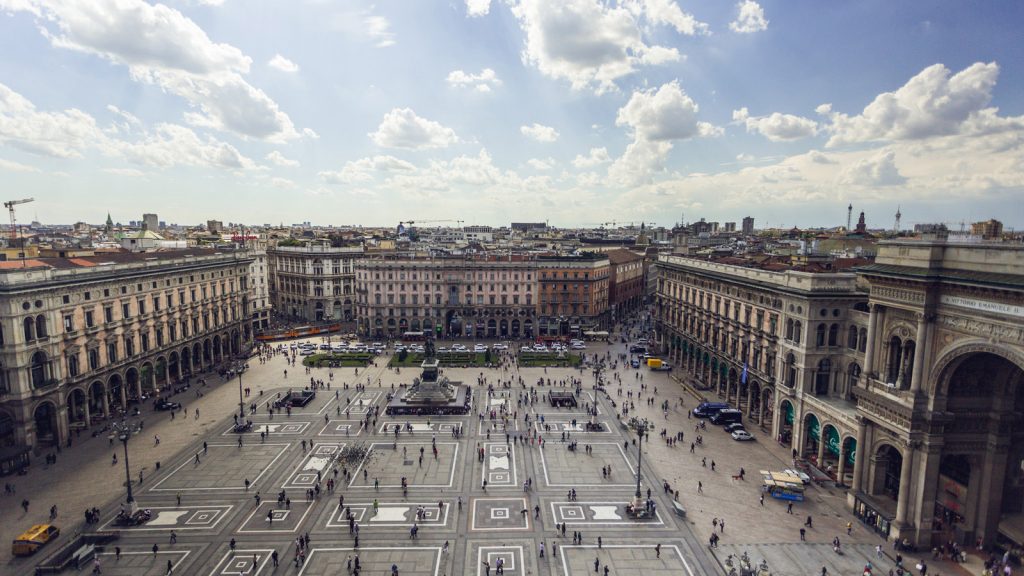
{"x": 541, "y": 163}
{"x": 591, "y": 43}
{"x": 539, "y": 132}
{"x": 595, "y": 157}
{"x": 482, "y": 82}
{"x": 932, "y": 103}
{"x": 279, "y": 159}
{"x": 283, "y": 64}
{"x": 777, "y": 127}
{"x": 402, "y": 128}
{"x": 656, "y": 117}
{"x": 879, "y": 170}
{"x": 379, "y": 30}
{"x": 750, "y": 18}
{"x": 161, "y": 46}
{"x": 365, "y": 169}
{"x": 475, "y": 8}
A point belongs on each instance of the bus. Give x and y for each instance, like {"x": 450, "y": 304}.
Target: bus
{"x": 417, "y": 336}
{"x": 782, "y": 486}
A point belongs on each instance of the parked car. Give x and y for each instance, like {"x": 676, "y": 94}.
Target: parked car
{"x": 730, "y": 428}
{"x": 742, "y": 435}
{"x": 163, "y": 405}
{"x": 709, "y": 409}
{"x": 635, "y": 363}
{"x": 801, "y": 475}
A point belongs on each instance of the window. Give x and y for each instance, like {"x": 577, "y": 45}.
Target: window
{"x": 38, "y": 369}
{"x": 89, "y": 321}
{"x": 833, "y": 335}
{"x": 142, "y": 307}
{"x": 30, "y": 329}
{"x": 156, "y": 302}
{"x": 819, "y": 339}
{"x": 111, "y": 352}
{"x": 129, "y": 345}
{"x": 72, "y": 362}
{"x": 108, "y": 314}
{"x": 159, "y": 336}
{"x": 94, "y": 359}
{"x": 851, "y": 338}
{"x": 66, "y": 299}
{"x": 145, "y": 342}
{"x": 126, "y": 310}
{"x": 798, "y": 329}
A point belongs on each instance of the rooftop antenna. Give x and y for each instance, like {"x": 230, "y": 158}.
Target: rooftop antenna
{"x": 896, "y": 230}
{"x": 849, "y": 216}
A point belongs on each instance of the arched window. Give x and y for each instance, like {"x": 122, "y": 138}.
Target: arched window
{"x": 852, "y": 375}
{"x": 790, "y": 370}
{"x": 41, "y": 326}
{"x": 819, "y": 339}
{"x": 30, "y": 329}
{"x": 895, "y": 360}
{"x": 833, "y": 335}
{"x": 862, "y": 344}
{"x": 38, "y": 369}
{"x": 94, "y": 359}
{"x": 798, "y": 331}
{"x": 822, "y": 377}
{"x": 851, "y": 338}
{"x": 789, "y": 329}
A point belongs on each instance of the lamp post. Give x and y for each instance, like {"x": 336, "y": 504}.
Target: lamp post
{"x": 241, "y": 403}
{"x": 124, "y": 432}
{"x": 641, "y": 431}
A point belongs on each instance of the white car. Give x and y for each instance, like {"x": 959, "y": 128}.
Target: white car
{"x": 578, "y": 347}
{"x": 742, "y": 435}
{"x": 801, "y": 475}
{"x": 479, "y": 348}
{"x": 306, "y": 352}
{"x": 500, "y": 347}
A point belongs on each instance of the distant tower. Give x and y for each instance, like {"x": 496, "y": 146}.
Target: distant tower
{"x": 849, "y": 217}
{"x": 861, "y": 226}
{"x": 109, "y": 227}
{"x": 896, "y": 230}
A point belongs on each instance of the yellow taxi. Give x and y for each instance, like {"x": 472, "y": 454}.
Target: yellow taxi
{"x": 34, "y": 538}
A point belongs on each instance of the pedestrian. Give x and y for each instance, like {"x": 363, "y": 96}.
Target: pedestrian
{"x": 541, "y": 548}
{"x": 155, "y": 549}
{"x": 803, "y": 535}
{"x": 178, "y": 497}
{"x": 789, "y": 508}
{"x": 273, "y": 558}
{"x": 174, "y": 537}
{"x": 762, "y": 499}
{"x": 700, "y": 487}
{"x": 96, "y": 565}
{"x": 117, "y": 553}
{"x": 170, "y": 567}
{"x": 657, "y": 550}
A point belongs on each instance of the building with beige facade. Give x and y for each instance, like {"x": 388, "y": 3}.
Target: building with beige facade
{"x": 314, "y": 282}
{"x": 902, "y": 379}
{"x": 482, "y": 297}
{"x": 573, "y": 294}
{"x": 85, "y": 337}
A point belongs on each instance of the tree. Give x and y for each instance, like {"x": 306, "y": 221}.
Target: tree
{"x": 403, "y": 355}
{"x": 487, "y": 356}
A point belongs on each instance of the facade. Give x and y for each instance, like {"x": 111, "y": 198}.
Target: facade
{"x": 573, "y": 294}
{"x": 313, "y": 283}
{"x": 85, "y": 337}
{"x": 940, "y": 400}
{"x": 259, "y": 280}
{"x": 150, "y": 222}
{"x": 989, "y": 229}
{"x": 910, "y": 394}
{"x": 451, "y": 297}
{"x": 626, "y": 288}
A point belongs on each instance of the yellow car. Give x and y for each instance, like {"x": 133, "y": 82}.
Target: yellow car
{"x": 34, "y": 538}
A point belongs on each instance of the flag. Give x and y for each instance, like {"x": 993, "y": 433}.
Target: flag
{"x": 743, "y": 378}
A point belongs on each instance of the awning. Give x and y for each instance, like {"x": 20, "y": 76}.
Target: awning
{"x": 1012, "y": 526}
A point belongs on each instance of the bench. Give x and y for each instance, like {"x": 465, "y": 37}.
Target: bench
{"x": 84, "y": 553}
{"x": 678, "y": 508}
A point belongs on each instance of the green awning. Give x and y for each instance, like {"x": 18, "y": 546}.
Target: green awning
{"x": 787, "y": 411}
{"x": 852, "y": 454}
{"x": 832, "y": 440}
{"x": 814, "y": 427}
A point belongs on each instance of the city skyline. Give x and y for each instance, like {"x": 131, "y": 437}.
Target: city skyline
{"x": 491, "y": 112}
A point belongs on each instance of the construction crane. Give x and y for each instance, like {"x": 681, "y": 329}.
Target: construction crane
{"x": 14, "y": 225}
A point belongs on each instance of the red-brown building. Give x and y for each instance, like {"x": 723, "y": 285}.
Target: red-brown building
{"x": 626, "y": 286}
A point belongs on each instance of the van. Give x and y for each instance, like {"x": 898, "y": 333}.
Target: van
{"x": 727, "y": 416}
{"x": 709, "y": 409}
{"x": 33, "y": 539}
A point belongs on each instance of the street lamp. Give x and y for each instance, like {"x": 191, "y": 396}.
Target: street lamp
{"x": 241, "y": 403}
{"x": 639, "y": 455}
{"x": 124, "y": 432}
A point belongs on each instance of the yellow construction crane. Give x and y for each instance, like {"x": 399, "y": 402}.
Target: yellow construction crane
{"x": 10, "y": 204}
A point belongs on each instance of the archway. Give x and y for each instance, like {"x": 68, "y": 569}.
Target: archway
{"x": 503, "y": 328}
{"x": 7, "y": 435}
{"x": 528, "y": 328}
{"x": 788, "y": 414}
{"x": 515, "y": 329}
{"x": 133, "y": 383}
{"x": 830, "y": 449}
{"x": 217, "y": 349}
{"x": 982, "y": 391}
{"x": 492, "y": 328}
{"x": 45, "y": 417}
{"x": 319, "y": 311}
{"x": 147, "y": 378}
{"x": 336, "y": 310}
{"x": 173, "y": 367}
{"x": 116, "y": 394}
{"x": 207, "y": 352}
{"x": 98, "y": 401}
{"x": 77, "y": 410}
{"x": 415, "y": 325}
{"x": 847, "y": 459}
{"x": 403, "y": 325}
{"x": 186, "y": 362}
{"x": 885, "y": 479}
{"x": 811, "y": 437}
{"x": 236, "y": 343}
{"x": 39, "y": 369}
{"x": 768, "y": 406}
{"x": 754, "y": 401}
{"x": 160, "y": 374}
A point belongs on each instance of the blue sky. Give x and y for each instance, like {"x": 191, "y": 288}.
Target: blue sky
{"x": 571, "y": 111}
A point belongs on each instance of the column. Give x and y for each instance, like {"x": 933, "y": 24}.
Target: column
{"x": 750, "y": 405}
{"x": 869, "y": 351}
{"x": 903, "y": 500}
{"x": 124, "y": 396}
{"x": 106, "y": 402}
{"x": 841, "y": 469}
{"x": 87, "y": 416}
{"x": 858, "y": 457}
{"x": 919, "y": 350}
{"x": 821, "y": 445}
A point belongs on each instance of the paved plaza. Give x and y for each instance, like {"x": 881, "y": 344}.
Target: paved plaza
{"x": 491, "y": 493}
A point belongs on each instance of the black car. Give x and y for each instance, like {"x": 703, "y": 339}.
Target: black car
{"x": 163, "y": 404}
{"x": 730, "y": 428}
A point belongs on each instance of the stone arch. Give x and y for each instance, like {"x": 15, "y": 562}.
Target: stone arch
{"x": 76, "y": 402}
{"x": 7, "y": 429}
{"x": 217, "y": 349}
{"x": 832, "y": 443}
{"x": 948, "y": 360}
{"x": 39, "y": 369}
{"x": 44, "y": 416}
{"x": 236, "y": 342}
{"x": 116, "y": 392}
{"x": 185, "y": 359}
{"x": 492, "y": 328}
{"x": 810, "y": 437}
{"x": 207, "y": 352}
{"x": 174, "y": 366}
{"x": 99, "y": 402}
{"x": 147, "y": 378}
{"x": 787, "y": 419}
{"x": 133, "y": 384}
{"x": 885, "y": 476}
{"x": 503, "y": 328}
{"x": 515, "y": 328}
{"x": 767, "y": 405}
